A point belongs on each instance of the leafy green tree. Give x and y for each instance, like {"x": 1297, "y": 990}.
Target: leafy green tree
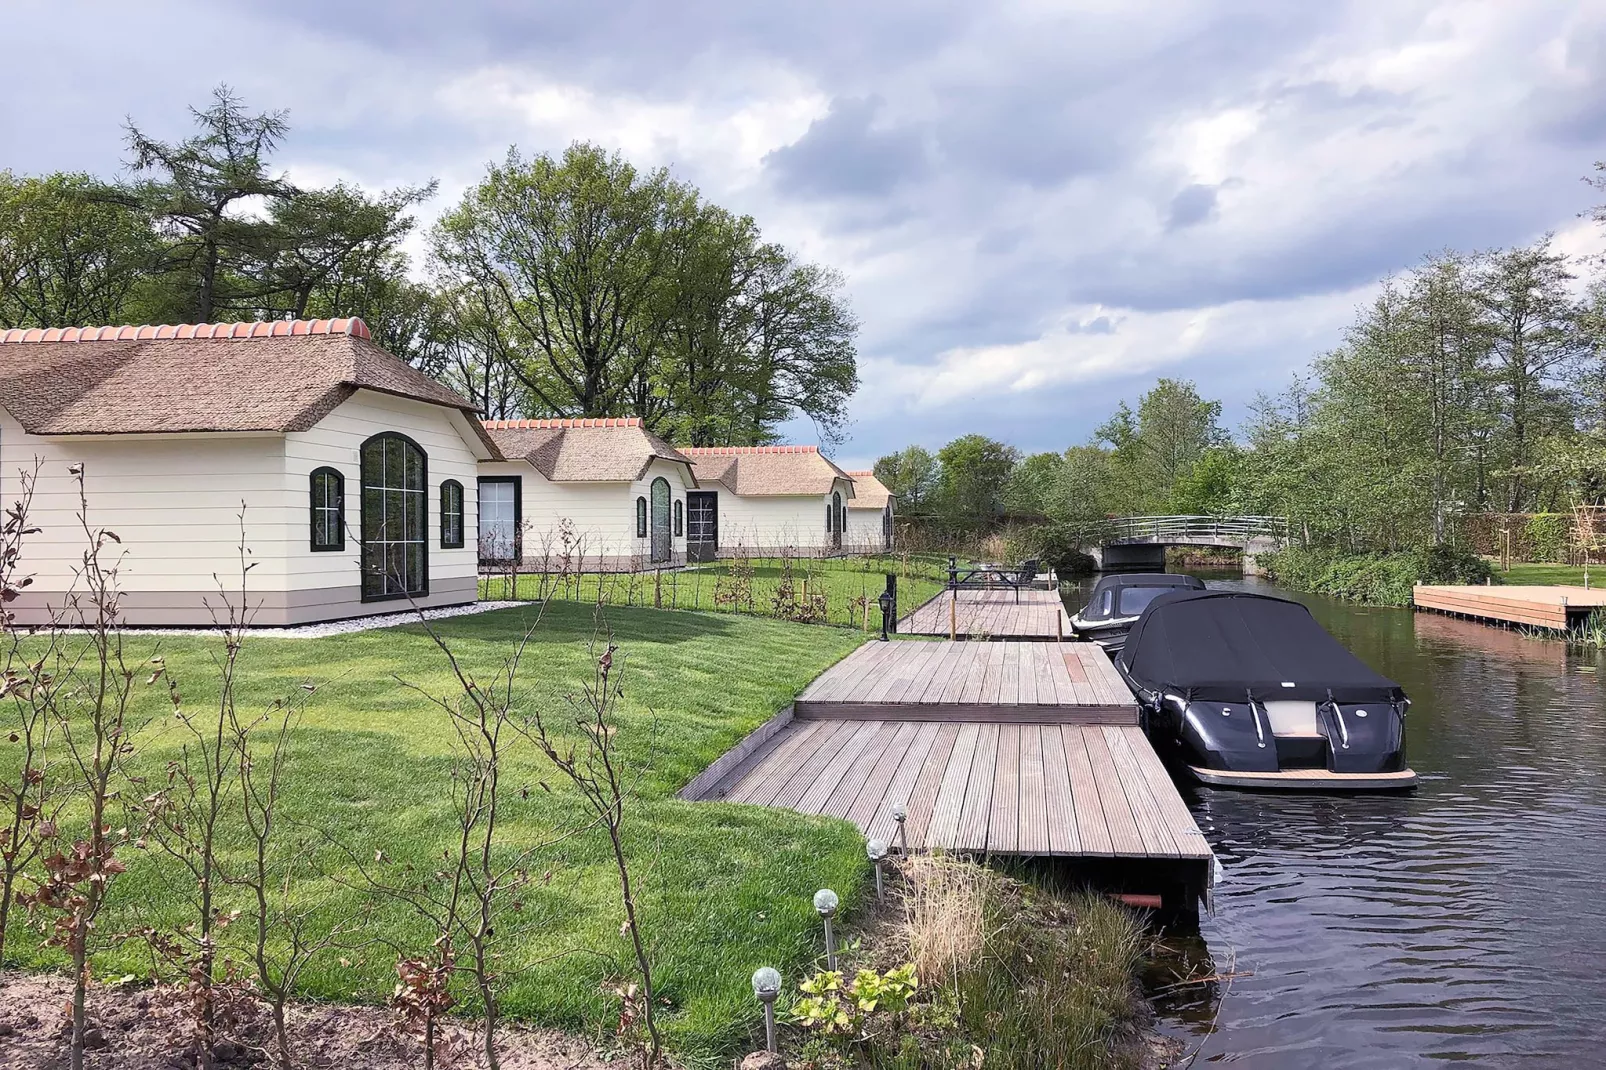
{"x": 1031, "y": 485}
{"x": 912, "y": 476}
{"x": 569, "y": 260}
{"x": 1525, "y": 294}
{"x": 206, "y": 197}
{"x": 1207, "y": 488}
{"x": 1175, "y": 426}
{"x": 72, "y": 253}
{"x": 974, "y": 471}
{"x": 1082, "y": 494}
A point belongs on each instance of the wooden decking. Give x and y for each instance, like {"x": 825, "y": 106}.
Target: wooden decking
{"x": 1019, "y": 748}
{"x": 991, "y": 613}
{"x": 1540, "y": 607}
{"x": 1002, "y": 789}
{"x": 1060, "y": 683}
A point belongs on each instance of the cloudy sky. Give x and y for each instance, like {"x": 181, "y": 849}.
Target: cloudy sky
{"x": 1039, "y": 207}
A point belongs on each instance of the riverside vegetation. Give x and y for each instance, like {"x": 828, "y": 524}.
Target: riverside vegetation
{"x": 1473, "y": 383}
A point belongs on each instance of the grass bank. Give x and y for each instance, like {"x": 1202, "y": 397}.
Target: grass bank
{"x": 1540, "y": 574}
{"x": 724, "y": 888}
{"x": 1008, "y": 974}
{"x": 808, "y": 590}
{"x": 1376, "y": 579}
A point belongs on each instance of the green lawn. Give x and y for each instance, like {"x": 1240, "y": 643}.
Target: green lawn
{"x": 725, "y": 888}
{"x": 721, "y": 586}
{"x": 1529, "y": 574}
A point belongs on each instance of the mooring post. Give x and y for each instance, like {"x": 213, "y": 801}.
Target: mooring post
{"x": 953, "y": 614}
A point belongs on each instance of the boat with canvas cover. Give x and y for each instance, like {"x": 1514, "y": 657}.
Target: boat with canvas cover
{"x": 1117, "y": 602}
{"x": 1249, "y": 691}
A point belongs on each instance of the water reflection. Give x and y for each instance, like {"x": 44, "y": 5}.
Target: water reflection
{"x": 1464, "y": 921}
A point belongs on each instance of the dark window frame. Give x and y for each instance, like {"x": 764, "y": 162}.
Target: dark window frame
{"x": 518, "y": 519}
{"x": 447, "y": 542}
{"x": 313, "y": 508}
{"x": 422, "y": 589}
{"x": 641, "y": 516}
{"x": 680, "y": 519}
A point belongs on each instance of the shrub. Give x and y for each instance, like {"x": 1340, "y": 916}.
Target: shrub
{"x": 1382, "y": 579}
{"x": 1058, "y": 546}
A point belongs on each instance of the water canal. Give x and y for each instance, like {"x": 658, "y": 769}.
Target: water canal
{"x": 1465, "y": 921}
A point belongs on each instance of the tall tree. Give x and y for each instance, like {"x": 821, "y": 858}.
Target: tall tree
{"x": 1524, "y": 292}
{"x": 1031, "y": 485}
{"x": 1175, "y": 426}
{"x": 72, "y": 253}
{"x": 911, "y": 475}
{"x": 568, "y": 259}
{"x": 974, "y": 472}
{"x": 208, "y": 196}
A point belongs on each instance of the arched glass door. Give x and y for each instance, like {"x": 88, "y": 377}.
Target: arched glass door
{"x": 662, "y": 541}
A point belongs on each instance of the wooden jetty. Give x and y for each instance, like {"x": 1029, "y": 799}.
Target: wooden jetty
{"x": 991, "y": 613}
{"x": 1021, "y": 749}
{"x": 1554, "y": 607}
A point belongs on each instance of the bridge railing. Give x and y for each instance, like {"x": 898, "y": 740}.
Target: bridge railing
{"x": 1190, "y": 528}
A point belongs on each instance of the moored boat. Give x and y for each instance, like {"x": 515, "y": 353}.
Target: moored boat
{"x": 1117, "y": 601}
{"x": 1249, "y": 691}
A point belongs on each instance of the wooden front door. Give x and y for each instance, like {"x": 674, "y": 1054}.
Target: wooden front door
{"x": 702, "y": 525}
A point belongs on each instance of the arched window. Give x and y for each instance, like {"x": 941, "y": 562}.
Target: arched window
{"x": 841, "y": 513}
{"x": 451, "y": 515}
{"x": 328, "y": 503}
{"x": 830, "y": 518}
{"x": 680, "y": 519}
{"x": 395, "y": 518}
{"x": 641, "y": 518}
{"x": 662, "y": 546}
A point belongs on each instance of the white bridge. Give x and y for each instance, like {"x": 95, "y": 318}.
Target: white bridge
{"x": 1137, "y": 543}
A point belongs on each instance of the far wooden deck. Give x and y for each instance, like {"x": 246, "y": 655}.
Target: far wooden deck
{"x": 943, "y": 681}
{"x": 991, "y": 613}
{"x": 1554, "y": 607}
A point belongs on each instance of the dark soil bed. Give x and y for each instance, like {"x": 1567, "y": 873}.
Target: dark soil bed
{"x": 142, "y": 1029}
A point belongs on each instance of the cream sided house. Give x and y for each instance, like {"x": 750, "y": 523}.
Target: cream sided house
{"x": 765, "y": 500}
{"x": 356, "y": 474}
{"x": 583, "y": 495}
{"x": 870, "y": 516}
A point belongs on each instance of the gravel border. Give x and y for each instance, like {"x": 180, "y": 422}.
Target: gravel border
{"x": 333, "y": 627}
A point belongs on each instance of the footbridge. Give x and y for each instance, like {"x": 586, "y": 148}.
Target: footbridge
{"x": 1138, "y": 543}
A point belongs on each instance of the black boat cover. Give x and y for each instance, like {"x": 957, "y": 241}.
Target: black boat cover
{"x": 1117, "y": 584}
{"x": 1220, "y": 646}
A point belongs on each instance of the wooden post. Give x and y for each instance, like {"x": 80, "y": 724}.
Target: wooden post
{"x": 953, "y": 614}
{"x": 1059, "y": 625}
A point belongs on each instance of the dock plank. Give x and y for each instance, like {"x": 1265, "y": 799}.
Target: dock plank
{"x": 976, "y": 811}
{"x": 950, "y": 795}
{"x": 1124, "y": 836}
{"x": 1003, "y": 823}
{"x": 1092, "y": 830}
{"x": 1032, "y": 824}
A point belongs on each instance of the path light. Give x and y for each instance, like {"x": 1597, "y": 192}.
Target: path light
{"x": 766, "y": 989}
{"x": 826, "y": 902}
{"x": 877, "y": 850}
{"x": 900, "y": 814}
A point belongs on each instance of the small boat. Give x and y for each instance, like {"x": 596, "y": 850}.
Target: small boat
{"x": 1249, "y": 691}
{"x": 1117, "y": 601}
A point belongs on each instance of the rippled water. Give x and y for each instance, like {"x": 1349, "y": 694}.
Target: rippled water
{"x": 1464, "y": 921}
